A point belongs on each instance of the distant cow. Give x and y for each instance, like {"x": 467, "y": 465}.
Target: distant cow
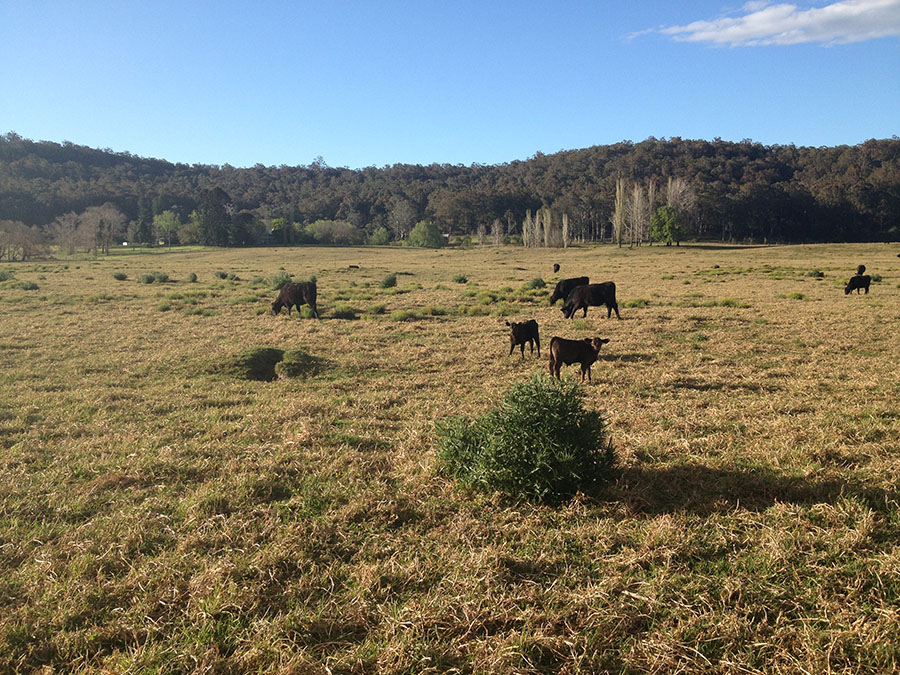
{"x": 858, "y": 282}
{"x": 860, "y": 270}
{"x": 585, "y": 352}
{"x": 565, "y": 286}
{"x": 296, "y": 294}
{"x": 555, "y": 268}
{"x": 582, "y": 297}
{"x": 520, "y": 333}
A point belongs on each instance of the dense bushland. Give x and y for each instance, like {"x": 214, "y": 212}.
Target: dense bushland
{"x": 738, "y": 192}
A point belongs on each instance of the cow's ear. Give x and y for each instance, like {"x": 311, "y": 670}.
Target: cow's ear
{"x": 604, "y": 340}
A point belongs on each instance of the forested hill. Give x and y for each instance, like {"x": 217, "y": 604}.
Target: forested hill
{"x": 739, "y": 191}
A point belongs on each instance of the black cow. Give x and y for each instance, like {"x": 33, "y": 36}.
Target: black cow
{"x": 555, "y": 268}
{"x": 520, "y": 333}
{"x": 585, "y": 352}
{"x": 565, "y": 286}
{"x": 857, "y": 282}
{"x": 300, "y": 293}
{"x": 582, "y": 297}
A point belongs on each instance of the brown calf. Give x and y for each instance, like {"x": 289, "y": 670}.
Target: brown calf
{"x": 585, "y": 352}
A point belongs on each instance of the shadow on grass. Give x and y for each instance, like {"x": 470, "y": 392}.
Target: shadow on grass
{"x": 702, "y": 490}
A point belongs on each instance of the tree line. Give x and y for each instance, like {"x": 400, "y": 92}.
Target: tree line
{"x": 659, "y": 189}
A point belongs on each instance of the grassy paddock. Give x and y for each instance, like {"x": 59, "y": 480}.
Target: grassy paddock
{"x": 162, "y": 511}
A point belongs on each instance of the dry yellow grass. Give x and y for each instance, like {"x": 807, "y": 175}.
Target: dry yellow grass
{"x": 156, "y": 514}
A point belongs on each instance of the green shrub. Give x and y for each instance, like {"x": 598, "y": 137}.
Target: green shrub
{"x": 389, "y": 281}
{"x": 426, "y": 234}
{"x": 380, "y": 237}
{"x": 460, "y": 279}
{"x": 403, "y": 315}
{"x": 344, "y": 312}
{"x": 540, "y": 443}
{"x": 279, "y": 280}
{"x": 376, "y": 309}
{"x": 817, "y": 274}
{"x": 876, "y": 277}
{"x": 120, "y": 276}
{"x": 146, "y": 279}
{"x": 636, "y": 302}
{"x": 297, "y": 363}
{"x": 255, "y": 363}
{"x": 28, "y": 286}
{"x": 192, "y": 278}
{"x": 164, "y": 306}
{"x": 534, "y": 283}
{"x": 160, "y": 277}
{"x": 221, "y": 275}
{"x": 6, "y": 275}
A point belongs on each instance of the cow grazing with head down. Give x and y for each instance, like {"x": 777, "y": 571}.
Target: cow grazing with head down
{"x": 582, "y": 297}
{"x": 584, "y": 352}
{"x": 857, "y": 282}
{"x": 565, "y": 286}
{"x": 520, "y": 333}
{"x": 296, "y": 294}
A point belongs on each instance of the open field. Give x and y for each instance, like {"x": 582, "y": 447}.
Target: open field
{"x": 159, "y": 512}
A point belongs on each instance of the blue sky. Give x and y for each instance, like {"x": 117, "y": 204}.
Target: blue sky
{"x": 370, "y": 83}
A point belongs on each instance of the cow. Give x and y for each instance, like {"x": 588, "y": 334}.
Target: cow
{"x": 520, "y": 333}
{"x": 582, "y": 297}
{"x": 857, "y": 282}
{"x": 300, "y": 293}
{"x": 565, "y": 286}
{"x": 555, "y": 268}
{"x": 585, "y": 352}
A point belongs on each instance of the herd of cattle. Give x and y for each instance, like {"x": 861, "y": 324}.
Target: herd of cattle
{"x": 577, "y": 293}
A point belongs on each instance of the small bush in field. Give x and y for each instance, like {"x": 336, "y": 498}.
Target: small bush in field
{"x": 160, "y": 277}
{"x": 534, "y": 283}
{"x": 460, "y": 279}
{"x": 816, "y": 274}
{"x": 192, "y": 278}
{"x": 279, "y": 280}
{"x": 344, "y": 312}
{"x": 540, "y": 443}
{"x": 222, "y": 275}
{"x": 120, "y": 276}
{"x": 146, "y": 279}
{"x": 6, "y": 275}
{"x": 389, "y": 281}
{"x": 28, "y": 286}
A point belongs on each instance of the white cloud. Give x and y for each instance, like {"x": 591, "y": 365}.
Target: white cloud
{"x": 785, "y": 24}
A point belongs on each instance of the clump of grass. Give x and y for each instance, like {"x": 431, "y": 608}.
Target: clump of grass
{"x": 431, "y": 310}
{"x": 816, "y": 274}
{"x": 221, "y": 275}
{"x": 28, "y": 286}
{"x": 473, "y": 310}
{"x": 460, "y": 278}
{"x": 875, "y": 277}
{"x": 376, "y": 309}
{"x": 404, "y": 315}
{"x": 192, "y": 278}
{"x": 120, "y": 276}
{"x": 636, "y": 302}
{"x": 164, "y": 306}
{"x": 537, "y": 282}
{"x": 278, "y": 281}
{"x": 539, "y": 444}
{"x": 146, "y": 279}
{"x": 6, "y": 275}
{"x": 160, "y": 277}
{"x": 389, "y": 281}
{"x": 297, "y": 363}
{"x": 793, "y": 296}
{"x": 344, "y": 312}
{"x": 255, "y": 363}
